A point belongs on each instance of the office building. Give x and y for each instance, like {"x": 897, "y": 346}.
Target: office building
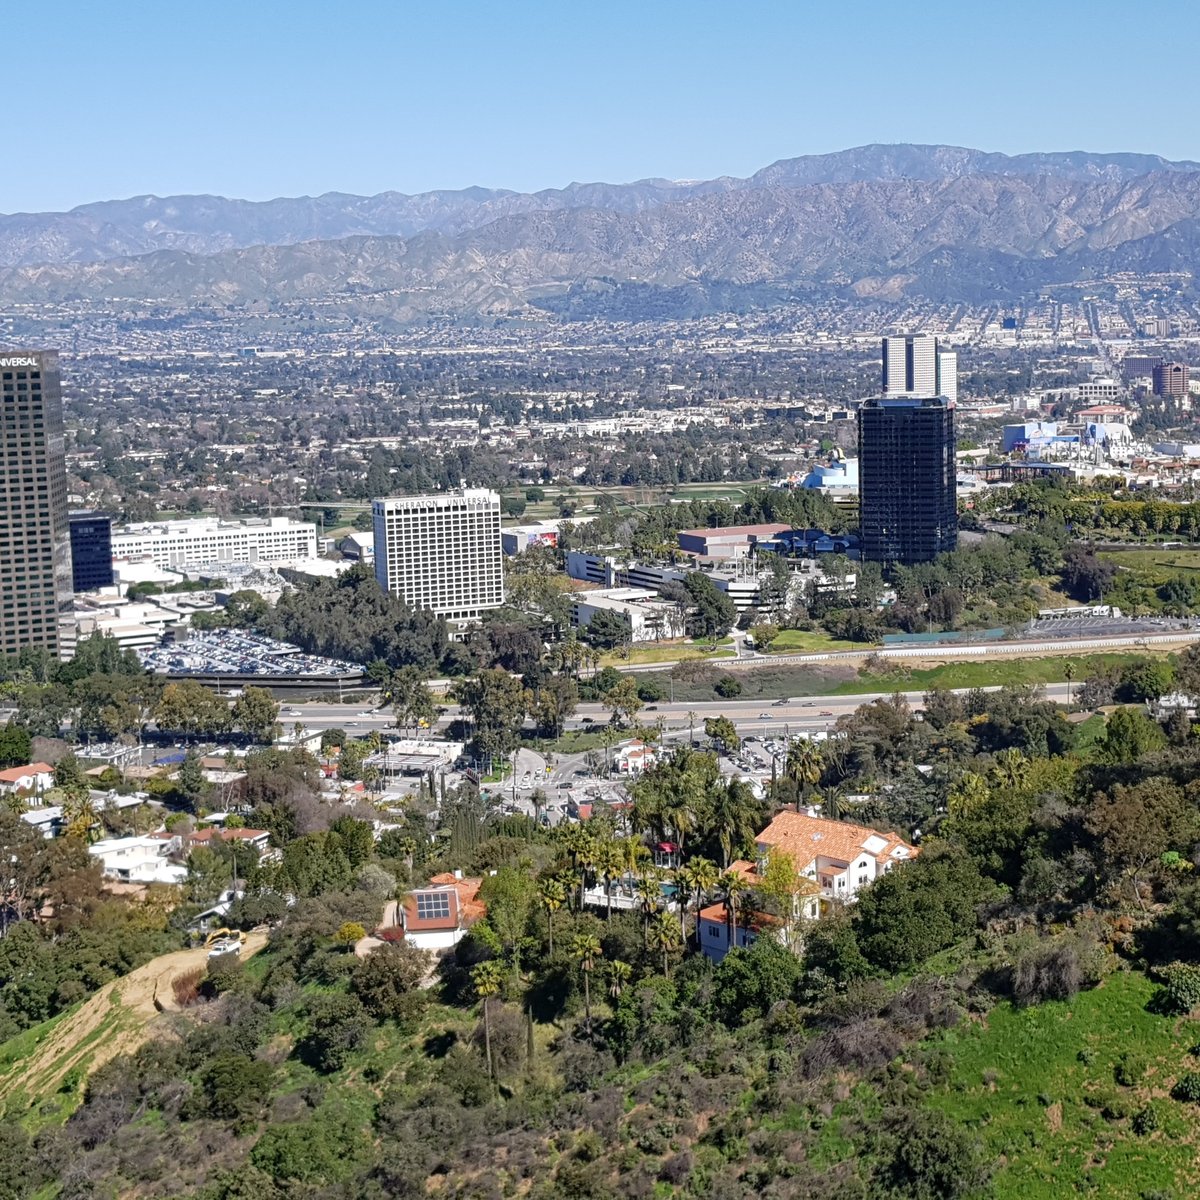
{"x": 214, "y": 540}
{"x": 916, "y": 366}
{"x": 441, "y": 553}
{"x": 91, "y": 551}
{"x": 906, "y": 468}
{"x": 1139, "y": 366}
{"x": 35, "y": 544}
{"x": 1171, "y": 379}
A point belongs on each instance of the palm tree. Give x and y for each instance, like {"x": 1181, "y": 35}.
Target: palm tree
{"x": 619, "y": 973}
{"x": 81, "y": 816}
{"x": 634, "y": 855}
{"x": 608, "y": 865}
{"x": 586, "y": 948}
{"x": 700, "y": 876}
{"x": 578, "y": 843}
{"x": 804, "y": 765}
{"x": 734, "y": 810}
{"x": 552, "y": 894}
{"x": 1009, "y": 767}
{"x": 488, "y": 978}
{"x": 969, "y": 793}
{"x": 691, "y": 728}
{"x": 1068, "y": 675}
{"x": 831, "y": 803}
{"x": 733, "y": 884}
{"x": 649, "y": 894}
{"x": 666, "y": 936}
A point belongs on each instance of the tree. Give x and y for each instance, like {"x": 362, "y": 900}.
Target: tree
{"x": 189, "y": 708}
{"x": 918, "y": 909}
{"x": 1085, "y": 576}
{"x": 1129, "y": 736}
{"x": 922, "y": 1154}
{"x": 510, "y": 895}
{"x": 496, "y": 702}
{"x": 622, "y": 700}
{"x": 585, "y": 948}
{"x": 337, "y": 1026}
{"x": 607, "y": 630}
{"x": 488, "y": 980}
{"x": 14, "y": 745}
{"x": 1136, "y": 825}
{"x": 764, "y": 633}
{"x": 734, "y": 885}
{"x": 714, "y": 612}
{"x": 736, "y": 815}
{"x": 749, "y": 981}
{"x": 554, "y": 703}
{"x": 608, "y": 862}
{"x": 388, "y": 982}
{"x": 619, "y": 974}
{"x": 667, "y": 938}
{"x": 552, "y": 895}
{"x": 256, "y": 714}
{"x": 190, "y": 782}
{"x": 723, "y": 730}
{"x": 699, "y": 876}
{"x": 804, "y": 764}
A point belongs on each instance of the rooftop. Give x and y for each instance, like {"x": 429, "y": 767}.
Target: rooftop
{"x": 806, "y": 838}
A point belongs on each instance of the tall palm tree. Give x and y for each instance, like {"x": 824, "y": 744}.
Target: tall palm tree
{"x": 691, "y": 728}
{"x": 700, "y": 876}
{"x": 969, "y": 792}
{"x": 734, "y": 885}
{"x": 552, "y": 895}
{"x": 649, "y": 894}
{"x": 1009, "y": 767}
{"x": 804, "y": 765}
{"x": 634, "y": 855}
{"x": 734, "y": 811}
{"x": 488, "y": 978}
{"x": 586, "y": 949}
{"x": 619, "y": 973}
{"x": 1068, "y": 675}
{"x": 608, "y": 863}
{"x": 666, "y": 937}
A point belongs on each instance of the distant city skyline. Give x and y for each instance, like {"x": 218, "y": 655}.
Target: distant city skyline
{"x": 266, "y": 100}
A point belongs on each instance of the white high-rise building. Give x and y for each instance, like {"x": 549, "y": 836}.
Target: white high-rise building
{"x": 915, "y": 367}
{"x": 441, "y": 552}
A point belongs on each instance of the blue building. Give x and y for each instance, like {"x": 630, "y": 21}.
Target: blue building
{"x": 91, "y": 551}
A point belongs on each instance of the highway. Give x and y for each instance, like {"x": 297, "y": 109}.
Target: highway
{"x": 749, "y": 716}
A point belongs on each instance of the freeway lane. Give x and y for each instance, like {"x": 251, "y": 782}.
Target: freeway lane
{"x": 759, "y": 715}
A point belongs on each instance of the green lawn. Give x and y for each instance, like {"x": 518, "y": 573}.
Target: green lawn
{"x": 1021, "y": 1078}
{"x": 666, "y": 653}
{"x": 1159, "y": 562}
{"x": 805, "y": 641}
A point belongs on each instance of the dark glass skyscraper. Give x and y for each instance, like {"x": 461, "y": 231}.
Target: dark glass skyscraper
{"x": 907, "y": 504}
{"x": 35, "y": 547}
{"x": 91, "y": 551}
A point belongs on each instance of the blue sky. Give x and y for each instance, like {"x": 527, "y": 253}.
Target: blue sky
{"x": 263, "y": 98}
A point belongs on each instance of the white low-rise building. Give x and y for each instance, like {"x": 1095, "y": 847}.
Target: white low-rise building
{"x": 139, "y": 859}
{"x": 216, "y": 540}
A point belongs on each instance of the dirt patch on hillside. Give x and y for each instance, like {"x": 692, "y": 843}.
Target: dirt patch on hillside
{"x": 116, "y": 1020}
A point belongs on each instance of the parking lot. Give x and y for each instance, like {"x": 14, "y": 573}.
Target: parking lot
{"x": 1088, "y": 626}
{"x": 232, "y": 652}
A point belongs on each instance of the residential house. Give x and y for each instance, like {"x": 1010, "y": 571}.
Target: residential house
{"x": 718, "y": 935}
{"x": 437, "y": 917}
{"x": 635, "y": 757}
{"x": 837, "y": 858}
{"x": 150, "y": 859}
{"x": 31, "y": 780}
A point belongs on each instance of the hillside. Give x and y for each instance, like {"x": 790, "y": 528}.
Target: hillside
{"x": 973, "y": 237}
{"x": 877, "y": 222}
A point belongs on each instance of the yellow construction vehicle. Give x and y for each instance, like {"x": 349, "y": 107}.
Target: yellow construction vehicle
{"x": 224, "y": 935}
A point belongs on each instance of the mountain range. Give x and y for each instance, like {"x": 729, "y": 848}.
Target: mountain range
{"x": 877, "y": 221}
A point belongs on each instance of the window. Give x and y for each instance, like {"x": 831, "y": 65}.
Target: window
{"x": 432, "y": 906}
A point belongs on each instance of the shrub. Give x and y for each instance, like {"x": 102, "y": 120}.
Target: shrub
{"x": 727, "y": 687}
{"x": 350, "y": 932}
{"x": 1054, "y": 971}
{"x": 1129, "y": 1070}
{"x": 1182, "y": 993}
{"x": 338, "y": 1025}
{"x": 1187, "y": 1087}
{"x": 1145, "y": 1120}
{"x": 388, "y": 982}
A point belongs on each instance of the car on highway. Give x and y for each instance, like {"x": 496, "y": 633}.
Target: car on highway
{"x": 807, "y": 704}
{"x": 291, "y": 712}
{"x": 825, "y": 712}
{"x": 366, "y": 713}
{"x": 765, "y": 717}
{"x": 780, "y": 703}
{"x": 652, "y": 708}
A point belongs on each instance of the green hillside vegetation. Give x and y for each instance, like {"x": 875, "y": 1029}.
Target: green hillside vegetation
{"x": 1009, "y": 1014}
